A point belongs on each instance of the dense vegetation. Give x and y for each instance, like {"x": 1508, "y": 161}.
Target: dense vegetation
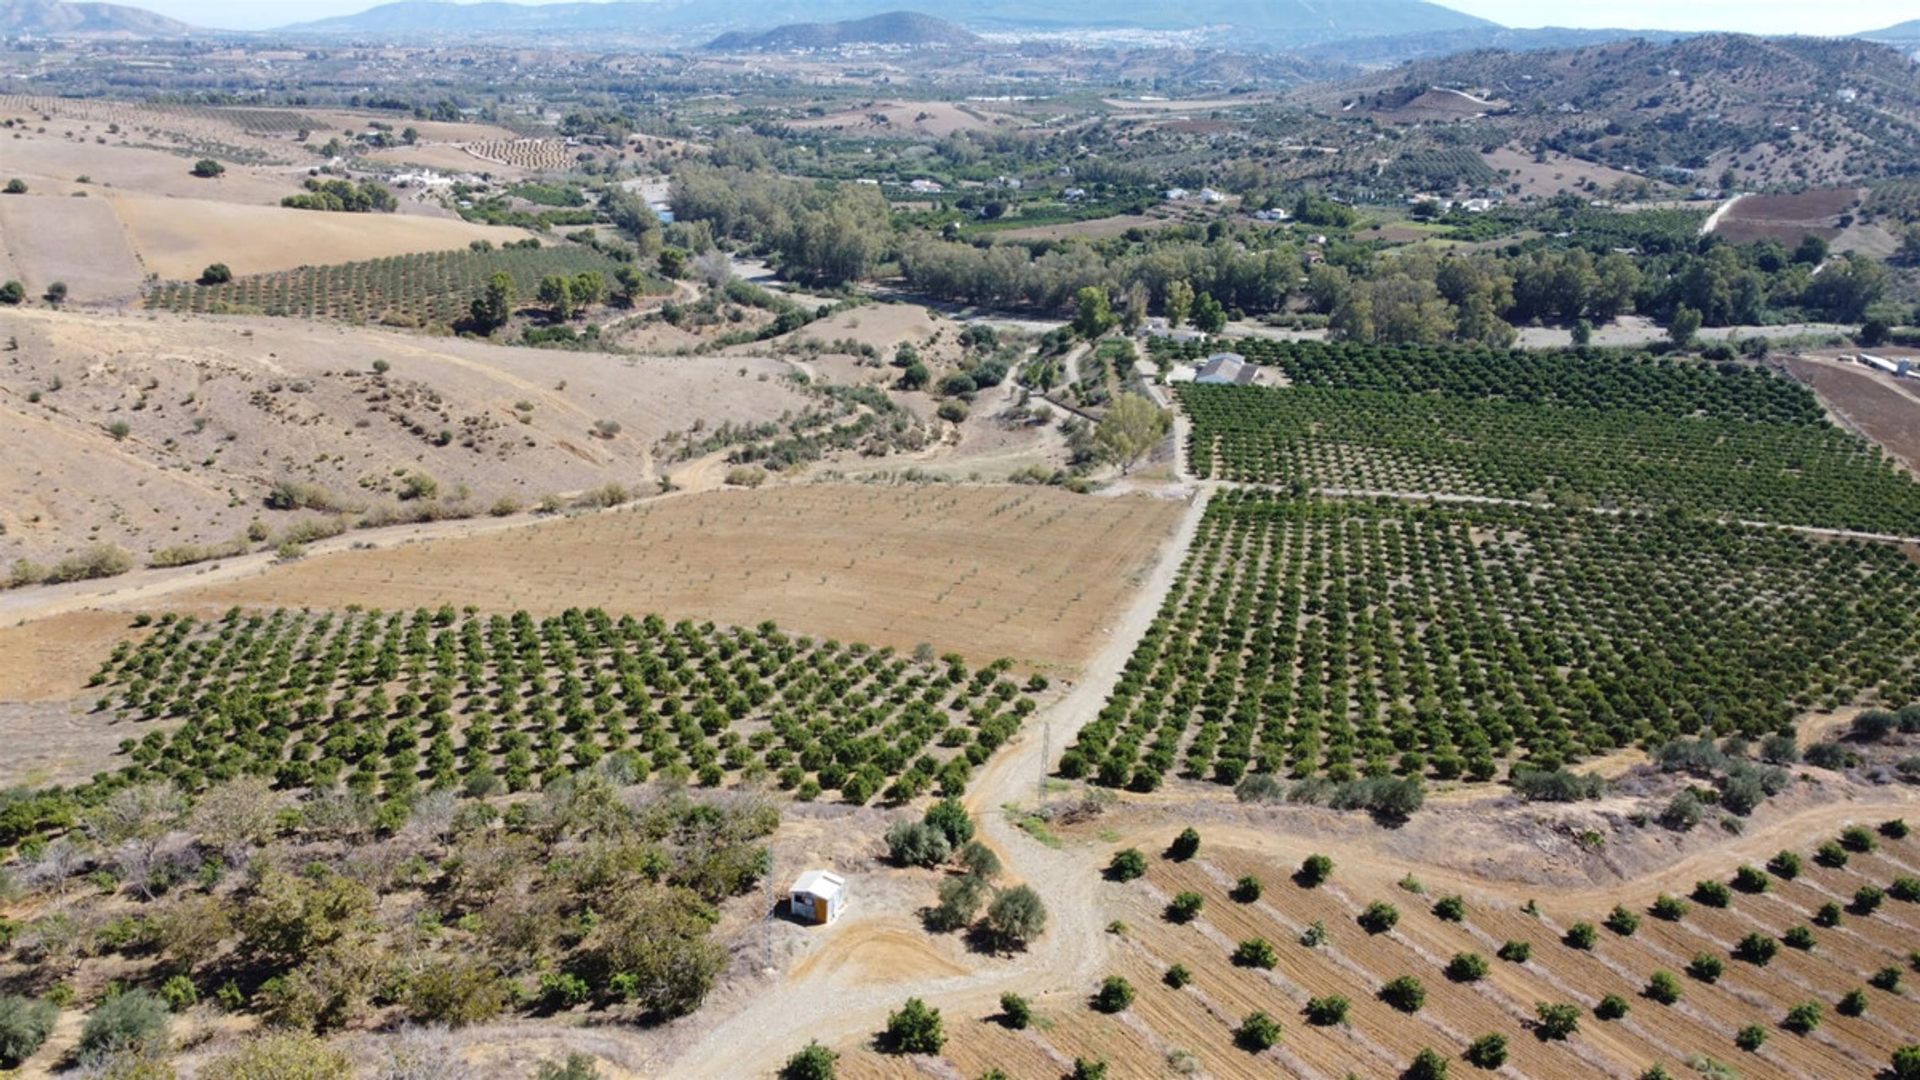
{"x": 393, "y": 704}
{"x": 1584, "y": 430}
{"x": 1342, "y": 638}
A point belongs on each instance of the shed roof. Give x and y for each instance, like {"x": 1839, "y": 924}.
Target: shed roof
{"x": 819, "y": 883}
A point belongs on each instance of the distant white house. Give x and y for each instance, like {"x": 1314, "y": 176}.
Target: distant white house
{"x": 1227, "y": 369}
{"x": 1074, "y": 194}
{"x": 817, "y": 897}
{"x": 1175, "y": 194}
{"x": 926, "y": 187}
{"x": 1210, "y": 196}
{"x": 1158, "y": 327}
{"x": 1275, "y": 214}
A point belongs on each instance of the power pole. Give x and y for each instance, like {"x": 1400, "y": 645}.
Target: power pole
{"x": 1046, "y": 755}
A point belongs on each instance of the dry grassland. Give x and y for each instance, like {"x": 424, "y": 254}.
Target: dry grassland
{"x": 1030, "y": 573}
{"x": 79, "y": 241}
{"x": 178, "y": 238}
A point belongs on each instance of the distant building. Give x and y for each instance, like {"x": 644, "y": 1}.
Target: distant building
{"x": 926, "y": 187}
{"x": 1175, "y": 194}
{"x": 1208, "y": 195}
{"x": 817, "y": 897}
{"x": 1227, "y": 369}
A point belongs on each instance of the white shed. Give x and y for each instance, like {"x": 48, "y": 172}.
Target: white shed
{"x": 817, "y": 897}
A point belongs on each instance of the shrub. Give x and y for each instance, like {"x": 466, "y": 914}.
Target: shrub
{"x": 1314, "y": 871}
{"x": 1611, "y": 1007}
{"x": 1256, "y": 952}
{"x": 25, "y": 1024}
{"x": 952, "y": 819}
{"x": 1127, "y": 865}
{"x": 1177, "y": 976}
{"x": 1085, "y": 1069}
{"x": 1866, "y": 899}
{"x": 1185, "y": 907}
{"x": 1260, "y": 788}
{"x": 1905, "y": 889}
{"x": 1798, "y": 937}
{"x": 1906, "y": 1063}
{"x": 1450, "y": 909}
{"x": 1467, "y": 967}
{"x": 914, "y": 1029}
{"x": 1756, "y": 949}
{"x": 1114, "y": 995}
{"x": 1706, "y": 967}
{"x": 1487, "y": 1052}
{"x": 1664, "y": 988}
{"x": 960, "y": 900}
{"x": 813, "y": 1062}
{"x": 1622, "y": 922}
{"x": 1557, "y": 1021}
{"x": 1804, "y": 1017}
{"x": 1016, "y": 916}
{"x": 1852, "y": 1003}
{"x": 1750, "y": 879}
{"x": 1379, "y": 917}
{"x": 1015, "y": 1010}
{"x": 1257, "y": 1033}
{"x": 1315, "y": 935}
{"x": 1427, "y": 1065}
{"x": 575, "y": 1067}
{"x": 1828, "y": 915}
{"x": 132, "y": 1020}
{"x": 1714, "y": 894}
{"x": 1668, "y": 908}
{"x": 1750, "y": 1038}
{"x": 1683, "y": 812}
{"x": 1247, "y": 890}
{"x": 1895, "y": 829}
{"x": 979, "y": 860}
{"x": 179, "y": 993}
{"x": 458, "y": 991}
{"x": 1580, "y": 935}
{"x": 1515, "y": 952}
{"x": 1327, "y": 1011}
{"x": 1404, "y": 993}
{"x": 1887, "y": 978}
{"x": 1786, "y": 866}
{"x": 915, "y": 843}
{"x": 1830, "y": 755}
{"x": 1858, "y": 838}
{"x": 286, "y": 1056}
{"x": 1185, "y": 846}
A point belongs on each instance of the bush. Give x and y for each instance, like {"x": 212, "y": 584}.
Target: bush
{"x": 1185, "y": 846}
{"x": 813, "y": 1062}
{"x": 1858, "y": 838}
{"x": 1016, "y": 916}
{"x": 1177, "y": 976}
{"x": 915, "y": 843}
{"x": 951, "y": 818}
{"x": 1830, "y": 755}
{"x": 1803, "y": 1018}
{"x": 1832, "y": 855}
{"x": 1088, "y": 1069}
{"x": 960, "y": 900}
{"x": 1557, "y": 1021}
{"x": 1515, "y": 952}
{"x": 979, "y": 860}
{"x": 1379, "y": 917}
{"x": 1327, "y": 1011}
{"x": 1127, "y": 865}
{"x": 1714, "y": 894}
{"x": 1185, "y": 907}
{"x": 1314, "y": 871}
{"x": 1580, "y": 935}
{"x": 1828, "y": 915}
{"x": 1664, "y": 988}
{"x": 1683, "y": 812}
{"x": 1404, "y": 993}
{"x": 1852, "y": 1003}
{"x": 1257, "y": 1033}
{"x": 1668, "y": 908}
{"x": 1257, "y": 953}
{"x": 1905, "y": 889}
{"x": 1427, "y": 1065}
{"x": 1757, "y": 949}
{"x": 1247, "y": 890}
{"x": 1114, "y": 995}
{"x": 1260, "y": 788}
{"x": 179, "y": 993}
{"x": 288, "y": 1056}
{"x": 914, "y": 1029}
{"x": 1622, "y": 922}
{"x": 1866, "y": 899}
{"x": 1556, "y": 785}
{"x": 1467, "y": 967}
{"x": 1786, "y": 866}
{"x": 25, "y": 1024}
{"x": 1887, "y": 978}
{"x": 1706, "y": 967}
{"x": 1611, "y": 1007}
{"x": 1895, "y": 829}
{"x": 1015, "y": 1010}
{"x": 1750, "y": 1038}
{"x": 1450, "y": 909}
{"x": 132, "y": 1020}
{"x": 1487, "y": 1052}
{"x": 1906, "y": 1063}
{"x": 1798, "y": 937}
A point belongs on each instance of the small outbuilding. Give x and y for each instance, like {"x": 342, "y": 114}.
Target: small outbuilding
{"x": 817, "y": 897}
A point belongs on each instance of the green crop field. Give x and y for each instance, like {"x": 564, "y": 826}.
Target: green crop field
{"x": 1594, "y": 430}
{"x": 391, "y": 703}
{"x": 432, "y": 289}
{"x": 1334, "y": 637}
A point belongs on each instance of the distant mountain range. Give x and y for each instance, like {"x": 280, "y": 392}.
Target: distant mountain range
{"x": 896, "y": 28}
{"x": 60, "y": 17}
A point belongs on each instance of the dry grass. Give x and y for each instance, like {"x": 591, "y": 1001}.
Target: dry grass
{"x": 1033, "y": 574}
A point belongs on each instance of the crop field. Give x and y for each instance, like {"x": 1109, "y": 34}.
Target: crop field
{"x": 1344, "y": 1007}
{"x": 393, "y": 702}
{"x": 1336, "y": 637}
{"x": 429, "y": 289}
{"x": 1788, "y": 218}
{"x": 1033, "y": 573}
{"x": 1618, "y": 433}
{"x": 538, "y": 154}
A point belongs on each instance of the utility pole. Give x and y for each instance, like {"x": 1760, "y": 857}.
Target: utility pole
{"x": 1046, "y": 755}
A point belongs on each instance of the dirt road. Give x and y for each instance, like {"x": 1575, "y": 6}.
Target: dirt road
{"x": 754, "y": 1041}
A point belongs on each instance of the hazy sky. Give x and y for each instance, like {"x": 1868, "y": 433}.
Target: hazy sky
{"x": 1754, "y": 16}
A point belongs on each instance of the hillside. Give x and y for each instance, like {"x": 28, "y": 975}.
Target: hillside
{"x": 895, "y": 28}
{"x": 61, "y": 17}
{"x": 1294, "y": 23}
{"x": 1775, "y": 112}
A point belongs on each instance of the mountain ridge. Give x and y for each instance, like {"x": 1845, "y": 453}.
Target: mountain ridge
{"x": 900, "y": 28}
{"x": 67, "y": 17}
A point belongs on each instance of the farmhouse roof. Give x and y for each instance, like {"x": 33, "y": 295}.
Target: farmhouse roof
{"x": 821, "y": 883}
{"x": 1227, "y": 367}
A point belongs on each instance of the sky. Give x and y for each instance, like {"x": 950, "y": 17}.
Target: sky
{"x": 1751, "y": 16}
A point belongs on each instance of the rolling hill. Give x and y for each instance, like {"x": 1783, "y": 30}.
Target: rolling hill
{"x": 62, "y": 17}
{"x": 898, "y": 28}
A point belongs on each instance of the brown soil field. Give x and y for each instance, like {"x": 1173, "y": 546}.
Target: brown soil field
{"x": 53, "y": 163}
{"x": 1096, "y": 229}
{"x": 1887, "y": 412}
{"x": 1557, "y": 174}
{"x": 217, "y": 410}
{"x": 1197, "y": 1022}
{"x": 1788, "y": 218}
{"x": 80, "y": 241}
{"x": 1030, "y": 573}
{"x": 935, "y": 118}
{"x": 178, "y": 238}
